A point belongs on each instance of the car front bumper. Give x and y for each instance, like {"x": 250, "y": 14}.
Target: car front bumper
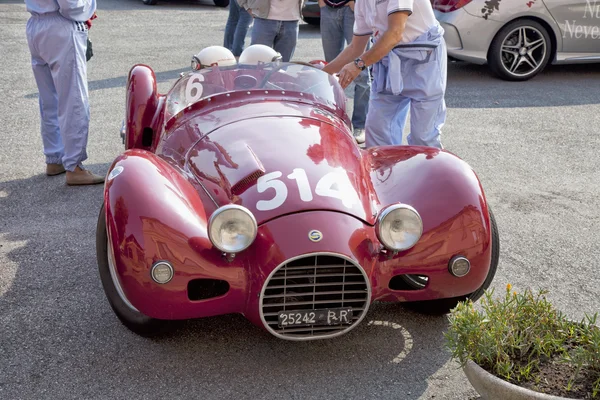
{"x": 467, "y": 37}
{"x": 277, "y": 243}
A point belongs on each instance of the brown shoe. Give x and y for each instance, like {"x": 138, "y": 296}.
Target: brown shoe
{"x": 54, "y": 169}
{"x": 83, "y": 177}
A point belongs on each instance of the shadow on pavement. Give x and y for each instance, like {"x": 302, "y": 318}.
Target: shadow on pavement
{"x": 121, "y": 81}
{"x": 474, "y": 86}
{"x": 58, "y": 334}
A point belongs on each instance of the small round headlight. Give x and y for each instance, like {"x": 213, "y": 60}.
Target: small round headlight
{"x": 399, "y": 227}
{"x": 232, "y": 228}
{"x": 162, "y": 272}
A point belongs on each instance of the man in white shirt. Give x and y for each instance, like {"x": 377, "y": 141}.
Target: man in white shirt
{"x": 57, "y": 34}
{"x": 275, "y": 24}
{"x": 409, "y": 70}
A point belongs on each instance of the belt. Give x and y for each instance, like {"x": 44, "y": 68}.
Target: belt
{"x": 336, "y": 6}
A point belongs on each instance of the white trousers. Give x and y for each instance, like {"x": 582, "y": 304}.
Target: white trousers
{"x": 423, "y": 90}
{"x": 58, "y": 60}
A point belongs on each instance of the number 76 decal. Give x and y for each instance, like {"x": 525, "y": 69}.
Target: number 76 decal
{"x": 334, "y": 184}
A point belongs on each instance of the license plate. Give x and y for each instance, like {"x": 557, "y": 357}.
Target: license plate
{"x": 324, "y": 317}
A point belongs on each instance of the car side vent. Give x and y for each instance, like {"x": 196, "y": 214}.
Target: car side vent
{"x": 147, "y": 137}
{"x": 203, "y": 289}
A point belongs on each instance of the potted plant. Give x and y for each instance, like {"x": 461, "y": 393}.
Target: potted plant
{"x": 520, "y": 347}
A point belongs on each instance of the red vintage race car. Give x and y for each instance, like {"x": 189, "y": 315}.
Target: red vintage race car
{"x": 242, "y": 190}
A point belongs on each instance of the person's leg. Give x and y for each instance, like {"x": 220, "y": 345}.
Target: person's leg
{"x": 48, "y": 104}
{"x": 386, "y": 119}
{"x": 362, "y": 83}
{"x": 428, "y": 108}
{"x": 264, "y": 31}
{"x": 332, "y": 33}
{"x": 231, "y": 25}
{"x": 285, "y": 41}
{"x": 241, "y": 30}
{"x": 64, "y": 48}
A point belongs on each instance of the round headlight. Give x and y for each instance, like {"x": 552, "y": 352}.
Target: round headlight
{"x": 232, "y": 228}
{"x": 399, "y": 227}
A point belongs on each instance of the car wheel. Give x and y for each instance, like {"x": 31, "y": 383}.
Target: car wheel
{"x": 520, "y": 50}
{"x": 313, "y": 21}
{"x": 127, "y": 314}
{"x": 221, "y": 3}
{"x": 150, "y": 2}
{"x": 443, "y": 306}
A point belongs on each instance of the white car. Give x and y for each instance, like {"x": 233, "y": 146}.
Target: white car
{"x": 518, "y": 38}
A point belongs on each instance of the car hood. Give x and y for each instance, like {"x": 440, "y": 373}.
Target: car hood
{"x": 280, "y": 165}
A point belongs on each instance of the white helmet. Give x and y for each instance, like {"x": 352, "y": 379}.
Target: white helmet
{"x": 259, "y": 53}
{"x": 209, "y": 56}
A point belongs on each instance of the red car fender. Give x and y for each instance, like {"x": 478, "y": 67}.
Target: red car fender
{"x": 154, "y": 213}
{"x": 449, "y": 197}
{"x": 144, "y": 106}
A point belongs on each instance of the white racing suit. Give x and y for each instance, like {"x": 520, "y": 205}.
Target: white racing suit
{"x": 57, "y": 37}
{"x": 411, "y": 77}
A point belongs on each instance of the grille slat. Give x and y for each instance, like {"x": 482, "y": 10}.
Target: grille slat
{"x": 301, "y": 267}
{"x": 314, "y": 293}
{"x": 306, "y": 303}
{"x": 313, "y": 285}
{"x": 314, "y": 282}
{"x": 312, "y": 276}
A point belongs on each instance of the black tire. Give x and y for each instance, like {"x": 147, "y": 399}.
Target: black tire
{"x": 443, "y": 306}
{"x": 133, "y": 320}
{"x": 221, "y": 3}
{"x": 313, "y": 21}
{"x": 499, "y": 60}
{"x": 150, "y": 2}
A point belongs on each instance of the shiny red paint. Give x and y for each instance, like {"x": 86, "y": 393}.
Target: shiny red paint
{"x": 215, "y": 152}
{"x": 144, "y": 109}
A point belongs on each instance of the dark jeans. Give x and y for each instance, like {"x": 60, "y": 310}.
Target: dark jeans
{"x": 238, "y": 23}
{"x": 279, "y": 35}
{"x": 336, "y": 28}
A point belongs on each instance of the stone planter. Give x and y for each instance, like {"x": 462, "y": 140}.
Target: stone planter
{"x": 490, "y": 387}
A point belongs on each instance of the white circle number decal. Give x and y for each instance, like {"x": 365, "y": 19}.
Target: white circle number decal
{"x": 194, "y": 89}
{"x": 334, "y": 184}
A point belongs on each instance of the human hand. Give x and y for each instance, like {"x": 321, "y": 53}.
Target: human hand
{"x": 89, "y": 21}
{"x": 351, "y": 5}
{"x": 347, "y": 74}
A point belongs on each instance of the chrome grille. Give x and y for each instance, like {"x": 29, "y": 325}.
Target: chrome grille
{"x": 314, "y": 282}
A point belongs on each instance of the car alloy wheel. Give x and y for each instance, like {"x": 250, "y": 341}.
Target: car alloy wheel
{"x": 520, "y": 50}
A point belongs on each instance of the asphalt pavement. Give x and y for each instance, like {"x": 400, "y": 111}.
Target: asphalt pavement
{"x": 534, "y": 146}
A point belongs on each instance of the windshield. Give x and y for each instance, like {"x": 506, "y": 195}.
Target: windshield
{"x": 291, "y": 77}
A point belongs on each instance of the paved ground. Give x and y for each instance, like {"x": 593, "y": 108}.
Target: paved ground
{"x": 534, "y": 146}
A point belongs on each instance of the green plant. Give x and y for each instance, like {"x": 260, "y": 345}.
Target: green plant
{"x": 513, "y": 336}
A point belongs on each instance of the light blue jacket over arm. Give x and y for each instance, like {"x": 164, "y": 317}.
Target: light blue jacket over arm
{"x": 388, "y": 71}
{"x": 76, "y": 10}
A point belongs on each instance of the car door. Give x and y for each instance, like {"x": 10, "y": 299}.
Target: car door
{"x": 579, "y": 22}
